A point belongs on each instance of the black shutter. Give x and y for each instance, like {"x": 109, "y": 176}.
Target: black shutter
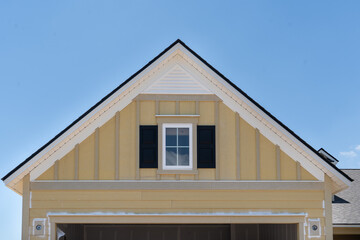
{"x": 148, "y": 146}
{"x": 206, "y": 146}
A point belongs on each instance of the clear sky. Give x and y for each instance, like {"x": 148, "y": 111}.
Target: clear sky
{"x": 298, "y": 59}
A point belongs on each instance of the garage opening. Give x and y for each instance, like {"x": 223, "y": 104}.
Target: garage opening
{"x": 177, "y": 232}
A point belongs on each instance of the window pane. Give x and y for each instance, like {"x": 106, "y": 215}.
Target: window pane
{"x": 183, "y": 156}
{"x": 171, "y": 137}
{"x": 171, "y": 157}
{"x": 183, "y": 136}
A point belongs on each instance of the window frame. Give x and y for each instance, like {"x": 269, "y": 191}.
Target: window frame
{"x": 177, "y": 125}
{"x": 178, "y": 119}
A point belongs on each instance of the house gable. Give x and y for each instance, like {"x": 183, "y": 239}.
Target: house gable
{"x": 209, "y": 81}
{"x": 115, "y": 142}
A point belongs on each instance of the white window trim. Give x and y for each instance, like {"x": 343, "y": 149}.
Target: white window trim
{"x": 177, "y": 125}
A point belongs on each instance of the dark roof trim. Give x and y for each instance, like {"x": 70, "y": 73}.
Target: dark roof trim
{"x": 321, "y": 149}
{"x": 143, "y": 68}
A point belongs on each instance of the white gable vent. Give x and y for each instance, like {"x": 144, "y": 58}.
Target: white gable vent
{"x": 177, "y": 81}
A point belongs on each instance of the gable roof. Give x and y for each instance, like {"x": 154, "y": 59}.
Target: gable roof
{"x": 325, "y": 163}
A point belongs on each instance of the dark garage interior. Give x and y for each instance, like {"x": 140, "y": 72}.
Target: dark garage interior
{"x": 177, "y": 232}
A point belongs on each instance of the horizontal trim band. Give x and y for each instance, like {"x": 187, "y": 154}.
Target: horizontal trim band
{"x": 345, "y": 225}
{"x": 177, "y": 97}
{"x": 166, "y": 219}
{"x": 179, "y": 185}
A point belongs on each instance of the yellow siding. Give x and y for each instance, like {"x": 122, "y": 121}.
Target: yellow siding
{"x": 48, "y": 175}
{"x": 227, "y": 143}
{"x": 267, "y": 159}
{"x": 167, "y": 108}
{"x": 181, "y": 201}
{"x": 186, "y": 177}
{"x": 107, "y": 150}
{"x": 206, "y": 174}
{"x": 187, "y": 108}
{"x": 207, "y": 113}
{"x": 87, "y": 158}
{"x": 67, "y": 166}
{"x": 127, "y": 142}
{"x": 127, "y": 148}
{"x": 168, "y": 177}
{"x": 287, "y": 167}
{"x": 148, "y": 174}
{"x": 247, "y": 151}
{"x": 305, "y": 175}
{"x": 147, "y": 113}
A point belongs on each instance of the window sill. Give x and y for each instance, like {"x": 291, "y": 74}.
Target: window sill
{"x": 191, "y": 171}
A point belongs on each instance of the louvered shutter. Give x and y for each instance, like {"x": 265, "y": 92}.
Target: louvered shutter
{"x": 206, "y": 146}
{"x": 148, "y": 147}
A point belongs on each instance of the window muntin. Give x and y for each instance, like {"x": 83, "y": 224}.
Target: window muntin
{"x": 177, "y": 146}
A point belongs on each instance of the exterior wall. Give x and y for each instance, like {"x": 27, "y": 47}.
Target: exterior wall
{"x": 243, "y": 153}
{"x": 96, "y": 156}
{"x": 44, "y": 202}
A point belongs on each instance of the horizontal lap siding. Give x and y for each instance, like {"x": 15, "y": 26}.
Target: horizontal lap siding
{"x": 177, "y": 201}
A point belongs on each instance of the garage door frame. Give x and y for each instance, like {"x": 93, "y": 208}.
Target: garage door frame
{"x": 211, "y": 218}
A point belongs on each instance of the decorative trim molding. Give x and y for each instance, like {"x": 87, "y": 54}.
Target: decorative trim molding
{"x": 182, "y": 184}
{"x": 177, "y": 97}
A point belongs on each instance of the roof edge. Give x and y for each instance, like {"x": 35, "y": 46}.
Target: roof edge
{"x": 89, "y": 110}
{"x": 213, "y": 69}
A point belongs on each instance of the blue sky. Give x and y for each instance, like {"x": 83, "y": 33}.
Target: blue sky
{"x": 298, "y": 59}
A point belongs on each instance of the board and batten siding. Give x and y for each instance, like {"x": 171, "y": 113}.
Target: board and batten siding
{"x": 110, "y": 153}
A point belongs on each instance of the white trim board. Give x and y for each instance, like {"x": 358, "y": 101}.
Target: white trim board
{"x": 178, "y": 55}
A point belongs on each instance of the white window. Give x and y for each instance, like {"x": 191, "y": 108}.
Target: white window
{"x": 177, "y": 146}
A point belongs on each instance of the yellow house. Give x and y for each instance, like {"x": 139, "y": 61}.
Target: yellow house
{"x": 177, "y": 151}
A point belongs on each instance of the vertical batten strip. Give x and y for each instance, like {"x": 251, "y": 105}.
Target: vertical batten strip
{"x": 217, "y": 149}
{"x": 56, "y": 170}
{"x": 117, "y": 143}
{"x": 26, "y": 208}
{"x": 96, "y": 167}
{"x": 197, "y": 111}
{"x": 157, "y": 107}
{"x": 177, "y": 108}
{"x": 197, "y": 107}
{"x": 76, "y": 177}
{"x": 137, "y": 174}
{"x": 298, "y": 171}
{"x": 237, "y": 132}
{"x": 257, "y": 140}
{"x": 157, "y": 112}
{"x": 278, "y": 162}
